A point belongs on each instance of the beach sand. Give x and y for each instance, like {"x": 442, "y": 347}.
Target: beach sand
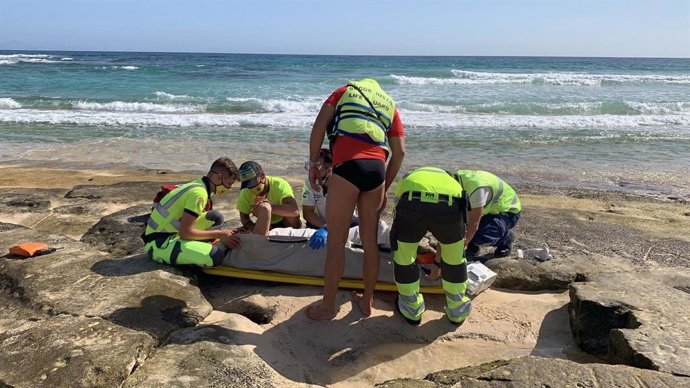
{"x": 352, "y": 351}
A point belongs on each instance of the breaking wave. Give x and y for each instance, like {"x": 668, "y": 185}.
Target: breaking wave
{"x": 8, "y": 103}
{"x": 151, "y": 119}
{"x": 128, "y": 67}
{"x": 270, "y": 105}
{"x": 170, "y": 96}
{"x": 463, "y": 77}
{"x": 121, "y": 106}
{"x": 155, "y": 115}
{"x": 551, "y": 109}
{"x": 13, "y": 59}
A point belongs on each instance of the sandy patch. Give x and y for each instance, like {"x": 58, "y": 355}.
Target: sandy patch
{"x": 361, "y": 352}
{"x": 48, "y": 177}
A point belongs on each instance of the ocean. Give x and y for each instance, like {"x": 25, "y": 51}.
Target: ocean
{"x": 607, "y": 123}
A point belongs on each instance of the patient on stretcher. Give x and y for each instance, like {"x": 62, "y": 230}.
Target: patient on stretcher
{"x": 288, "y": 252}
{"x": 353, "y": 239}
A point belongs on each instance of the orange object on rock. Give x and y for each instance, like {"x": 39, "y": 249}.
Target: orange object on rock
{"x": 30, "y": 249}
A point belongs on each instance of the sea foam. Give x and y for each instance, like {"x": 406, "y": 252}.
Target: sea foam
{"x": 463, "y": 77}
{"x": 12, "y": 59}
{"x": 276, "y": 105}
{"x": 150, "y": 119}
{"x": 613, "y": 107}
{"x": 122, "y": 106}
{"x": 129, "y": 67}
{"x": 153, "y": 115}
{"x": 448, "y": 120}
{"x": 170, "y": 96}
{"x": 8, "y": 103}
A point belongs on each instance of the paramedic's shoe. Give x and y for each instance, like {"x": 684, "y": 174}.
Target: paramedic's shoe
{"x": 501, "y": 252}
{"x": 408, "y": 320}
{"x": 466, "y": 308}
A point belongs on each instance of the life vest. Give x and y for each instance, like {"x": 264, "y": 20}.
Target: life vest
{"x": 165, "y": 215}
{"x": 364, "y": 112}
{"x": 168, "y": 187}
{"x": 503, "y": 200}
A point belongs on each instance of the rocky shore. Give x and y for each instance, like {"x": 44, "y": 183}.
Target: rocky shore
{"x": 608, "y": 310}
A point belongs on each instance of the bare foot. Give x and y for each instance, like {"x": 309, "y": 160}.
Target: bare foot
{"x": 319, "y": 312}
{"x": 364, "y": 305}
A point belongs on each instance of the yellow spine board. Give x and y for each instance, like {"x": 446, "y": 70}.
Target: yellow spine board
{"x": 306, "y": 280}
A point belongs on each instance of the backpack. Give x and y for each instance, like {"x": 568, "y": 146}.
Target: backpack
{"x": 166, "y": 188}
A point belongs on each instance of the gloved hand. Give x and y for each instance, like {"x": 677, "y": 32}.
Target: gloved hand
{"x": 319, "y": 238}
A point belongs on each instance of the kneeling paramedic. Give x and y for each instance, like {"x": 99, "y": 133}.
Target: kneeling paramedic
{"x": 179, "y": 231}
{"x": 494, "y": 211}
{"x": 430, "y": 199}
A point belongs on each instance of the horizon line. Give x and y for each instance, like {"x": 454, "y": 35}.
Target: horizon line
{"x": 350, "y": 55}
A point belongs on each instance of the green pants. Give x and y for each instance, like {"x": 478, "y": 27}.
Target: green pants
{"x": 176, "y": 251}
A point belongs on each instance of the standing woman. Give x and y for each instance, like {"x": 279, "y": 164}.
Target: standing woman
{"x": 364, "y": 129}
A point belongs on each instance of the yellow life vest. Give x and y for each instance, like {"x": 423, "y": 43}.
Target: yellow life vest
{"x": 364, "y": 112}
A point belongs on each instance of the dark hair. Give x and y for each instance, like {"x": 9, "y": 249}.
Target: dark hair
{"x": 326, "y": 155}
{"x": 225, "y": 164}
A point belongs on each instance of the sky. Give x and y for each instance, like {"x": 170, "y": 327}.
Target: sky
{"x": 608, "y": 28}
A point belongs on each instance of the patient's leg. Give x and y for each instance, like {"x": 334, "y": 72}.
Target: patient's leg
{"x": 262, "y": 212}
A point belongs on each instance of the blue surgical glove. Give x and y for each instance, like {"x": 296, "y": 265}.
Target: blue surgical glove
{"x": 319, "y": 238}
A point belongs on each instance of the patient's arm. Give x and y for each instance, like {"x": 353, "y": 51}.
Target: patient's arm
{"x": 309, "y": 213}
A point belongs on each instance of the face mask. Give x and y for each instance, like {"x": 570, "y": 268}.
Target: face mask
{"x": 220, "y": 186}
{"x": 256, "y": 190}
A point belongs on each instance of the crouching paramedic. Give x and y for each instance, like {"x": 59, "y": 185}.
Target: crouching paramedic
{"x": 430, "y": 199}
{"x": 180, "y": 232}
{"x": 494, "y": 211}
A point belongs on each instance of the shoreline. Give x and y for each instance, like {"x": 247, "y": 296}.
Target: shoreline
{"x": 534, "y": 186}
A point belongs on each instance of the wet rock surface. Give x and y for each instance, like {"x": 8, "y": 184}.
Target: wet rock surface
{"x": 22, "y": 200}
{"x": 570, "y": 236}
{"x": 119, "y": 192}
{"x": 582, "y": 243}
{"x": 119, "y": 233}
